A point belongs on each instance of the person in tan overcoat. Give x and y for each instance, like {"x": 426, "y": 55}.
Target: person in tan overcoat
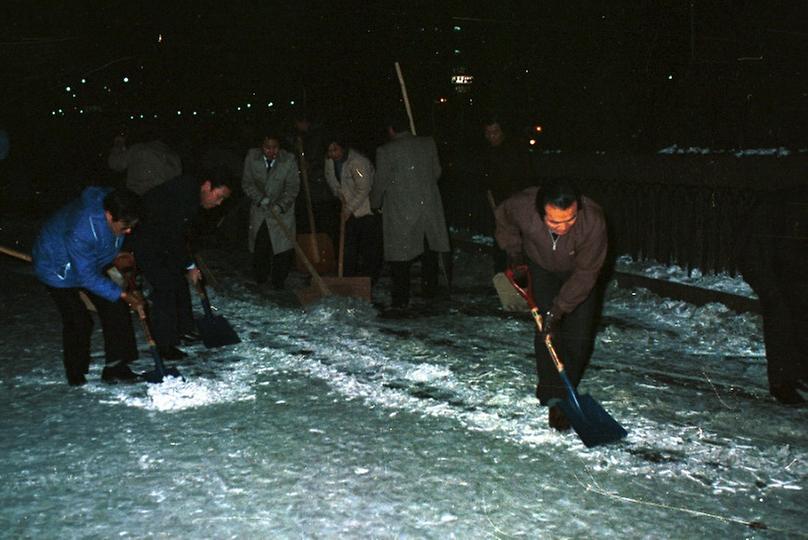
{"x": 271, "y": 181}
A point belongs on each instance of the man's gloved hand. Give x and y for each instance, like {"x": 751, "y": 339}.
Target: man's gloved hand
{"x": 551, "y": 323}
{"x": 134, "y": 299}
{"x": 264, "y": 203}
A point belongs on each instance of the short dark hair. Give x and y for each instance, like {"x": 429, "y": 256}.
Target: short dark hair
{"x": 218, "y": 176}
{"x": 123, "y": 205}
{"x": 557, "y": 192}
{"x": 399, "y": 121}
{"x": 339, "y": 139}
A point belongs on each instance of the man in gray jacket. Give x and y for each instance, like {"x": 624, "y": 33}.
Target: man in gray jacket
{"x": 271, "y": 181}
{"x": 147, "y": 164}
{"x": 406, "y": 190}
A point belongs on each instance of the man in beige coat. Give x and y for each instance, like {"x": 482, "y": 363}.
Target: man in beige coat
{"x": 350, "y": 176}
{"x": 406, "y": 190}
{"x": 271, "y": 181}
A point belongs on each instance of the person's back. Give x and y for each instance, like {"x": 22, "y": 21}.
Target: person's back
{"x": 147, "y": 164}
{"x": 414, "y": 166}
{"x": 406, "y": 190}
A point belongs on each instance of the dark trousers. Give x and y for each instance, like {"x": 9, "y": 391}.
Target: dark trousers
{"x": 265, "y": 264}
{"x": 773, "y": 259}
{"x": 171, "y": 314}
{"x": 363, "y": 247}
{"x": 326, "y": 216}
{"x": 785, "y": 321}
{"x": 400, "y": 273}
{"x": 574, "y": 342}
{"x": 77, "y": 327}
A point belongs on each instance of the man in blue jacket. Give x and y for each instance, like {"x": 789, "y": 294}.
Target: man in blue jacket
{"x": 70, "y": 255}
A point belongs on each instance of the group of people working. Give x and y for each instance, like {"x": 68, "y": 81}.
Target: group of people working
{"x": 556, "y": 232}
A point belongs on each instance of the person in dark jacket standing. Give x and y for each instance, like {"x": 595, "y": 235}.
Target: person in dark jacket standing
{"x": 70, "y": 254}
{"x": 413, "y": 224}
{"x": 162, "y": 253}
{"x": 774, "y": 261}
{"x": 507, "y": 168}
{"x": 563, "y": 238}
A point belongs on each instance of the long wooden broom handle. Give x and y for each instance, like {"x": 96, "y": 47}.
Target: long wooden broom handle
{"x": 406, "y": 98}
{"x": 27, "y": 258}
{"x": 317, "y": 279}
{"x": 304, "y": 170}
{"x": 16, "y": 254}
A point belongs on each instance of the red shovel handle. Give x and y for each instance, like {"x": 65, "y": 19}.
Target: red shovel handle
{"x": 534, "y": 311}
{"x": 510, "y": 273}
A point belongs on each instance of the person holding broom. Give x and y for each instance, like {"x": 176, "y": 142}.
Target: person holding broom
{"x": 350, "y": 176}
{"x": 562, "y": 238}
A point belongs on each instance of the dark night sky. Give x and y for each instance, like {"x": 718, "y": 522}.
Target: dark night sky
{"x": 593, "y": 74}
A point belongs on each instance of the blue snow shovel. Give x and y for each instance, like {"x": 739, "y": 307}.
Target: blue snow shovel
{"x": 160, "y": 371}
{"x": 588, "y": 418}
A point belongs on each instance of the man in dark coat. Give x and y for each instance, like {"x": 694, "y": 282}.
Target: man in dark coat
{"x": 506, "y": 168}
{"x": 413, "y": 225}
{"x": 563, "y": 236}
{"x": 774, "y": 261}
{"x": 70, "y": 255}
{"x": 162, "y": 252}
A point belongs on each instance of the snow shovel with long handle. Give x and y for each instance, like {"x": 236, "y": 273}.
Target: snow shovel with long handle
{"x": 160, "y": 371}
{"x": 214, "y": 329}
{"x": 318, "y": 247}
{"x": 588, "y": 418}
{"x": 312, "y": 293}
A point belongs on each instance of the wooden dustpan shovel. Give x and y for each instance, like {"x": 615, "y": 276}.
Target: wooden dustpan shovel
{"x": 358, "y": 286}
{"x": 588, "y": 418}
{"x": 317, "y": 248}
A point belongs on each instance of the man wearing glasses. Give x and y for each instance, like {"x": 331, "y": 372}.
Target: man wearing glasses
{"x": 562, "y": 238}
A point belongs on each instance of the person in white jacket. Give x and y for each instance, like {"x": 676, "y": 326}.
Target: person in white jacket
{"x": 350, "y": 176}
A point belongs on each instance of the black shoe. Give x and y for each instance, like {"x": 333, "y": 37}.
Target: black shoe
{"x": 76, "y": 379}
{"x": 189, "y": 338}
{"x": 171, "y": 353}
{"x": 558, "y": 420}
{"x": 787, "y": 394}
{"x": 119, "y": 372}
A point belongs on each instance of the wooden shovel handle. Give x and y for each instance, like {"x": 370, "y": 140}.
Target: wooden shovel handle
{"x": 141, "y": 313}
{"x": 317, "y": 279}
{"x": 16, "y": 254}
{"x": 304, "y": 170}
